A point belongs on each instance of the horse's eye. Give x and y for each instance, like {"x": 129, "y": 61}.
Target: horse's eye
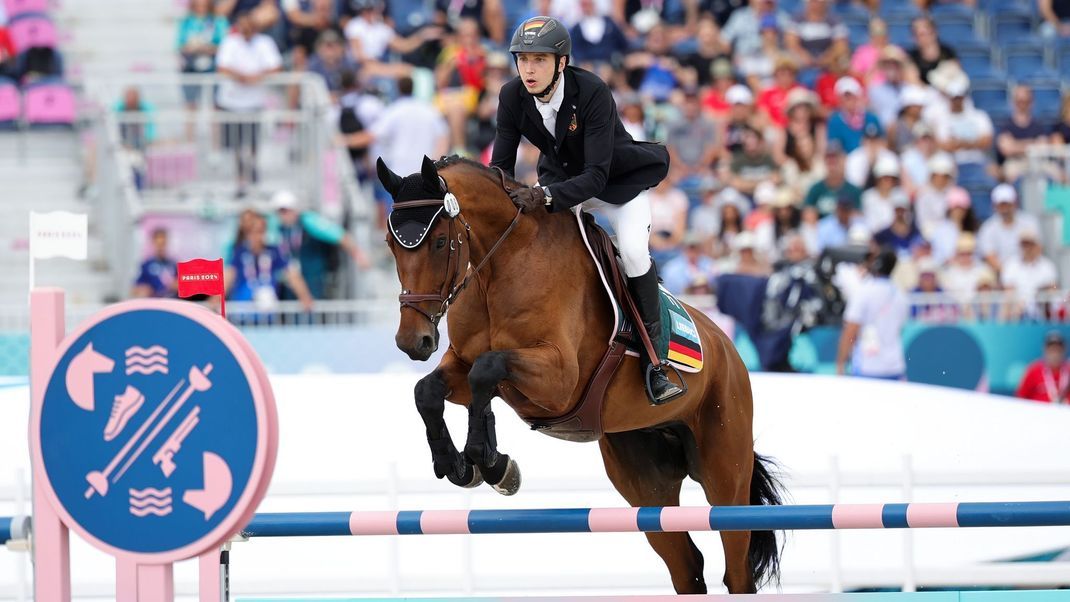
{"x": 441, "y": 242}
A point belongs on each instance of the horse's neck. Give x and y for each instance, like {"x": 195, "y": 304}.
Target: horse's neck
{"x": 537, "y": 257}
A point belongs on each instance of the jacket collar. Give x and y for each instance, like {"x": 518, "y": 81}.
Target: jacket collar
{"x": 564, "y": 114}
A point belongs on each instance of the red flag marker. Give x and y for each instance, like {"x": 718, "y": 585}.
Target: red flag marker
{"x": 202, "y": 277}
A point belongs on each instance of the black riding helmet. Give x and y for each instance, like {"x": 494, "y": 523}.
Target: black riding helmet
{"x": 542, "y": 34}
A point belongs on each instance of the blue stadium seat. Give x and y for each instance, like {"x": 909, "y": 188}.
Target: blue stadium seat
{"x": 953, "y": 34}
{"x": 981, "y": 200}
{"x": 940, "y": 12}
{"x": 974, "y": 174}
{"x": 847, "y": 11}
{"x": 981, "y": 70}
{"x": 1027, "y": 62}
{"x": 1047, "y": 97}
{"x": 990, "y": 99}
{"x": 899, "y": 10}
{"x": 899, "y": 33}
{"x": 973, "y": 44}
{"x": 857, "y": 36}
{"x": 1012, "y": 27}
{"x": 1008, "y": 7}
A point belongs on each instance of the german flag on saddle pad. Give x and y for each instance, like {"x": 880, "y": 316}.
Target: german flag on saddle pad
{"x": 682, "y": 346}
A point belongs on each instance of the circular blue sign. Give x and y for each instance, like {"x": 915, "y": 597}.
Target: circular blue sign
{"x": 157, "y": 433}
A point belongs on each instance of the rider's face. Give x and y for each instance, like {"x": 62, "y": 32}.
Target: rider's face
{"x": 536, "y": 70}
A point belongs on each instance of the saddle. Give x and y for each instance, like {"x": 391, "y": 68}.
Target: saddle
{"x": 679, "y": 342}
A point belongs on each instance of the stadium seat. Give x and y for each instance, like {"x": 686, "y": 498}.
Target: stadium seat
{"x": 847, "y": 11}
{"x": 1011, "y": 27}
{"x": 30, "y": 30}
{"x": 989, "y": 99}
{"x": 899, "y": 10}
{"x": 16, "y": 8}
{"x": 974, "y": 174}
{"x": 10, "y": 105}
{"x": 977, "y": 64}
{"x": 953, "y": 29}
{"x": 1047, "y": 97}
{"x": 981, "y": 200}
{"x": 857, "y": 35}
{"x": 49, "y": 102}
{"x": 940, "y": 12}
{"x": 900, "y": 34}
{"x": 1027, "y": 63}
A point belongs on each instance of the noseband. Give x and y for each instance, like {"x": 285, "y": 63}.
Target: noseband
{"x": 450, "y": 288}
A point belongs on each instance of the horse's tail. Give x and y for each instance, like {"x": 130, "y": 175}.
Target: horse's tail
{"x": 764, "y": 555}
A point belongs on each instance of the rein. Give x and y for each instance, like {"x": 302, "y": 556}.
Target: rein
{"x": 449, "y": 283}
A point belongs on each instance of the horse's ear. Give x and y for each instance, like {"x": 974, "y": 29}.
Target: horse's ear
{"x": 390, "y": 180}
{"x": 430, "y": 172}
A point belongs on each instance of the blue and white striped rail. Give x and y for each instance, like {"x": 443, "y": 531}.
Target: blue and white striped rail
{"x": 13, "y": 528}
{"x": 701, "y": 518}
{"x": 651, "y": 519}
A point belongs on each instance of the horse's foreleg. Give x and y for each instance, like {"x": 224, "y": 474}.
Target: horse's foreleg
{"x": 481, "y": 447}
{"x": 431, "y": 392}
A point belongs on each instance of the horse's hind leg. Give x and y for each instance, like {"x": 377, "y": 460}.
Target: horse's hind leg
{"x": 431, "y": 392}
{"x": 726, "y": 455}
{"x": 647, "y": 469}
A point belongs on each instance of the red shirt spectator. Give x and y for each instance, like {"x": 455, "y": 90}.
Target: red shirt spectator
{"x": 1048, "y": 378}
{"x": 7, "y": 47}
{"x": 774, "y": 99}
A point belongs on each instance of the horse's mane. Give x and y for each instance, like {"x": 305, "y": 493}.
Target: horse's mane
{"x": 493, "y": 174}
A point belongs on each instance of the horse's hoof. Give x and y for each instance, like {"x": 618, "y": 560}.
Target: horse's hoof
{"x": 477, "y": 478}
{"x": 510, "y": 482}
{"x": 471, "y": 477}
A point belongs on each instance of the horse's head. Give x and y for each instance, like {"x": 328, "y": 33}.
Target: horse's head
{"x": 428, "y": 247}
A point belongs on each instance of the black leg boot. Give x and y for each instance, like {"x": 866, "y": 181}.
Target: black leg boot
{"x": 648, "y": 301}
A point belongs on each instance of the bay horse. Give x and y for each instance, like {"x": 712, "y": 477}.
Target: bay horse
{"x": 528, "y": 322}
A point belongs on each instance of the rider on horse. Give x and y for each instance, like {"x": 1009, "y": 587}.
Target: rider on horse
{"x": 587, "y": 159}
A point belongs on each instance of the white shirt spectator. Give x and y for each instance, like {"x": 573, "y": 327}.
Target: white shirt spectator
{"x": 374, "y": 37}
{"x": 915, "y": 164}
{"x": 942, "y": 235}
{"x": 246, "y": 57}
{"x": 930, "y": 208}
{"x": 971, "y": 124}
{"x": 961, "y": 281}
{"x": 856, "y": 166}
{"x": 1027, "y": 278}
{"x": 570, "y": 13}
{"x": 877, "y": 210}
{"x": 407, "y": 130}
{"x": 1001, "y": 239}
{"x": 741, "y": 31}
{"x": 880, "y": 309}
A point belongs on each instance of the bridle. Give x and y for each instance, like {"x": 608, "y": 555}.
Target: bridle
{"x": 450, "y": 288}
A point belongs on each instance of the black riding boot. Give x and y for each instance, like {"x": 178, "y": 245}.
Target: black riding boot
{"x": 648, "y": 301}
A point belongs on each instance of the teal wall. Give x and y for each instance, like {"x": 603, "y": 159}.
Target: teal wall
{"x": 965, "y": 356}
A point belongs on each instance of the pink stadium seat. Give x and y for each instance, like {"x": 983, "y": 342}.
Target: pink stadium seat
{"x": 10, "y": 106}
{"x": 28, "y": 31}
{"x": 20, "y": 7}
{"x": 170, "y": 166}
{"x": 49, "y": 104}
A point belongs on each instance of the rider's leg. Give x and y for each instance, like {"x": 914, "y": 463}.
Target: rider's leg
{"x": 631, "y": 222}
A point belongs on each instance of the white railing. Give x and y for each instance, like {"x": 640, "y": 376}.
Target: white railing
{"x": 833, "y": 485}
{"x": 185, "y": 169}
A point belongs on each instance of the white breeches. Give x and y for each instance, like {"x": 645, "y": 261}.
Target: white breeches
{"x": 631, "y": 223}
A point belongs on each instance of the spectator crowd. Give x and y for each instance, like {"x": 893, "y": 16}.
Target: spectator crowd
{"x": 790, "y": 134}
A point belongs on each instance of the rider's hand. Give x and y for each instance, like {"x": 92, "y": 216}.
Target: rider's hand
{"x": 529, "y": 198}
